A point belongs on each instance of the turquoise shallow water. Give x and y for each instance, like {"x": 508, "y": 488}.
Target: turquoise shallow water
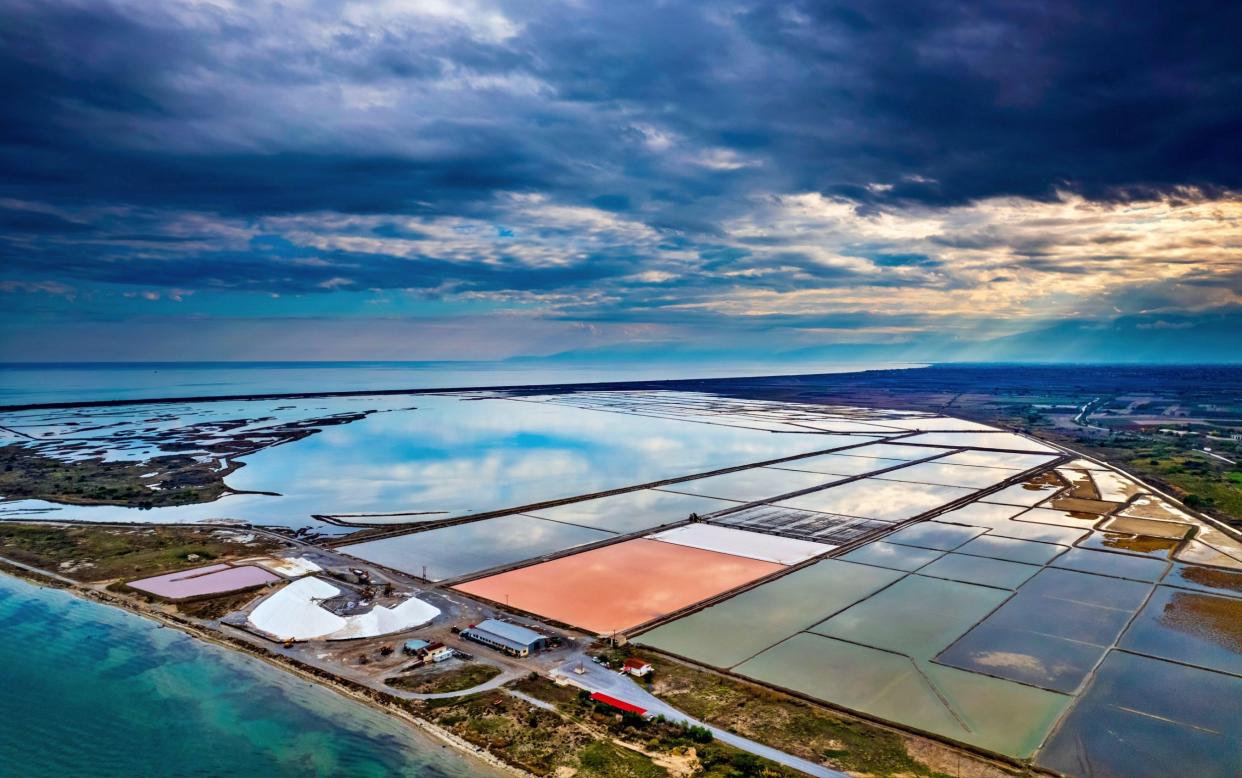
{"x": 89, "y": 690}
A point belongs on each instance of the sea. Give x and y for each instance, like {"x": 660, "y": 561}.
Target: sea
{"x": 91, "y": 690}
{"x": 23, "y": 383}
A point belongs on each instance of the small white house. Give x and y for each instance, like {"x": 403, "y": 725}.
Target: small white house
{"x": 636, "y": 667}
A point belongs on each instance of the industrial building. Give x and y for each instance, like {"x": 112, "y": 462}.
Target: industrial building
{"x": 621, "y": 705}
{"x": 503, "y": 636}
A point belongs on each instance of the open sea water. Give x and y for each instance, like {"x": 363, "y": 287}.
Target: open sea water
{"x": 91, "y": 690}
{"x": 78, "y": 382}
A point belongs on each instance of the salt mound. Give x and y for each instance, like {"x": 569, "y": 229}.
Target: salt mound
{"x": 294, "y": 613}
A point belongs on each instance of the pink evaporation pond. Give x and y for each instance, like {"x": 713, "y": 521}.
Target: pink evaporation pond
{"x": 616, "y": 587}
{"x": 203, "y": 581}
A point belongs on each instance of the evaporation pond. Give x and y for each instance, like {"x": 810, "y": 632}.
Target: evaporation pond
{"x": 894, "y": 451}
{"x": 1173, "y": 530}
{"x": 1149, "y": 507}
{"x": 999, "y": 715}
{"x": 1107, "y": 563}
{"x": 454, "y": 551}
{"x": 1021, "y": 529}
{"x": 875, "y": 499}
{"x": 204, "y": 581}
{"x": 1207, "y": 579}
{"x": 980, "y": 570}
{"x": 934, "y": 535}
{"x": 916, "y": 616}
{"x": 987, "y": 712}
{"x": 1138, "y": 545}
{"x": 1147, "y": 718}
{"x": 998, "y": 440}
{"x": 864, "y": 679}
{"x": 619, "y": 586}
{"x": 1071, "y": 586}
{"x": 1052, "y": 632}
{"x": 1081, "y": 507}
{"x": 730, "y": 632}
{"x": 1027, "y": 493}
{"x": 1189, "y": 627}
{"x": 1061, "y": 518}
{"x": 997, "y": 459}
{"x": 839, "y": 464}
{"x": 893, "y": 556}
{"x": 950, "y": 475}
{"x": 632, "y": 511}
{"x": 752, "y": 484}
{"x": 1115, "y": 487}
{"x": 1011, "y": 549}
{"x": 980, "y": 514}
{"x": 1034, "y": 658}
{"x": 740, "y": 542}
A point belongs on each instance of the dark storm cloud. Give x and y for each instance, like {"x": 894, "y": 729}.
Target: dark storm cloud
{"x": 937, "y": 101}
{"x": 634, "y": 162}
{"x": 285, "y": 271}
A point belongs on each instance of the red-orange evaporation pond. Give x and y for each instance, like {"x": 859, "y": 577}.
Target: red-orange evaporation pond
{"x": 616, "y": 587}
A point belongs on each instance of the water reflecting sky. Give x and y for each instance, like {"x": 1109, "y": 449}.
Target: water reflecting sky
{"x": 453, "y": 456}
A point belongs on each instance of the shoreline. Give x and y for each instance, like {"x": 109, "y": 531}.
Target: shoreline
{"x": 369, "y": 697}
{"x": 227, "y": 637}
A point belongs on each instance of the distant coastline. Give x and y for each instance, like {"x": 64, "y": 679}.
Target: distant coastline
{"x": 60, "y": 384}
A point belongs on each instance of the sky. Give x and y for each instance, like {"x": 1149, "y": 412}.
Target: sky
{"x": 464, "y": 179}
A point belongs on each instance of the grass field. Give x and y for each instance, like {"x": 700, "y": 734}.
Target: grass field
{"x": 216, "y": 607}
{"x": 1201, "y": 482}
{"x": 674, "y": 748}
{"x": 451, "y": 679}
{"x": 535, "y": 740}
{"x": 586, "y": 739}
{"x": 90, "y": 553}
{"x": 26, "y": 474}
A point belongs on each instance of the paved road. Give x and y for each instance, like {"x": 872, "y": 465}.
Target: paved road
{"x": 39, "y": 571}
{"x": 538, "y": 703}
{"x": 495, "y": 683}
{"x": 1217, "y": 456}
{"x": 599, "y": 679}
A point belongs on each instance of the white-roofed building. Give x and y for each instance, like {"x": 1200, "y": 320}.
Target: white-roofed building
{"x": 510, "y": 638}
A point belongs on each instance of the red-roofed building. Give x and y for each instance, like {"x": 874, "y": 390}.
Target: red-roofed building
{"x": 621, "y": 705}
{"x": 636, "y": 667}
